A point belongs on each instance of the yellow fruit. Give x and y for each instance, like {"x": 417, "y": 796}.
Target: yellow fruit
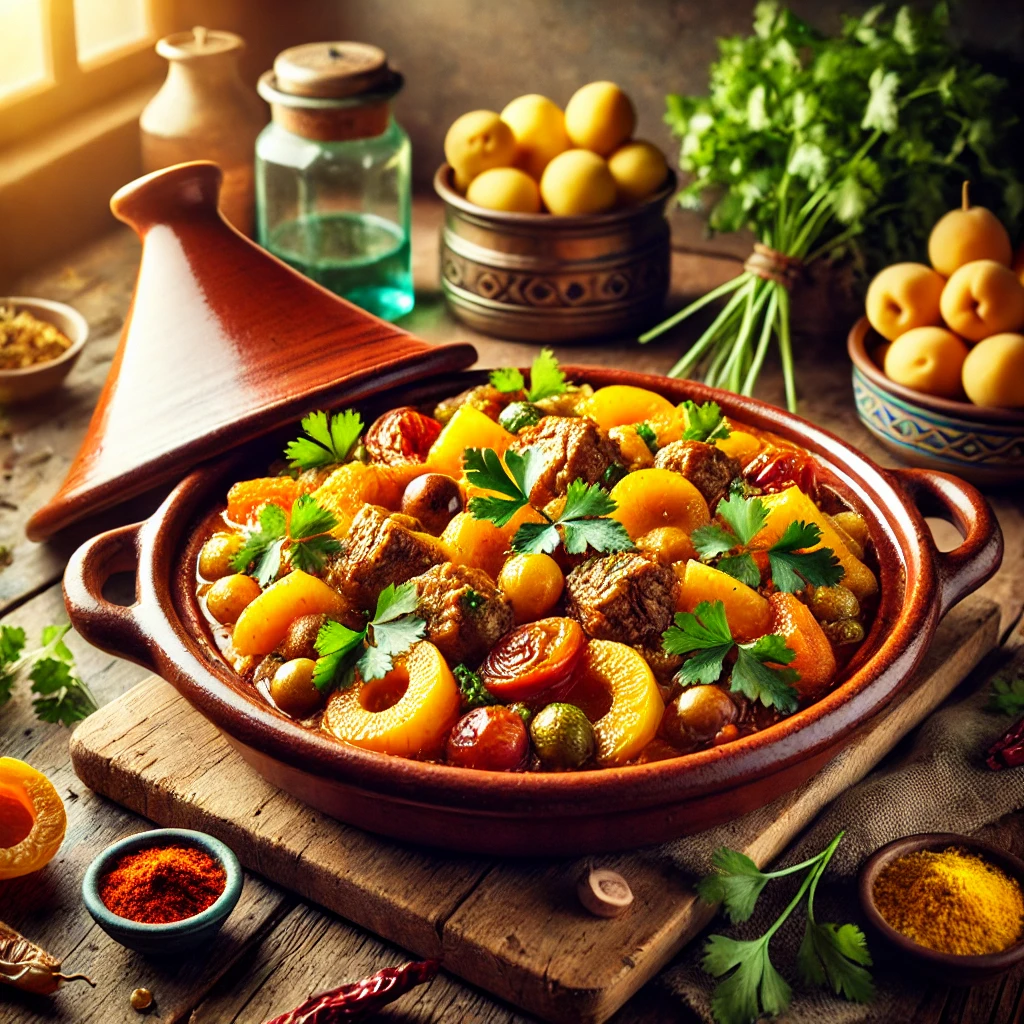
{"x": 577, "y": 182}
{"x": 32, "y": 819}
{"x": 539, "y": 129}
{"x": 740, "y": 445}
{"x": 356, "y": 484}
{"x": 965, "y": 235}
{"x": 533, "y": 583}
{"x": 902, "y": 297}
{"x": 476, "y": 142}
{"x": 468, "y": 428}
{"x": 619, "y": 404}
{"x": 927, "y": 359}
{"x": 599, "y": 117}
{"x": 983, "y": 298}
{"x": 815, "y": 659}
{"x": 475, "y": 542}
{"x": 407, "y": 713}
{"x": 652, "y": 498}
{"x": 746, "y": 611}
{"x": 217, "y": 553}
{"x": 505, "y": 188}
{"x": 667, "y": 544}
{"x": 639, "y": 170}
{"x": 993, "y": 372}
{"x": 230, "y": 596}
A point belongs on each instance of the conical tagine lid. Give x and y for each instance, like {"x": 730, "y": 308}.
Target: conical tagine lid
{"x": 223, "y": 343}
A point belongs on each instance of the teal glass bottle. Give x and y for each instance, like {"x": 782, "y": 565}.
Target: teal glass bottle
{"x": 334, "y": 174}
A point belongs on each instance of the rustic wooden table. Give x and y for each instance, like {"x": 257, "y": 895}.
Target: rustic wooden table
{"x": 277, "y": 948}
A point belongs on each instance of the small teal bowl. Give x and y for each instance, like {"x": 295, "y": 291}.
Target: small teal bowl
{"x": 176, "y": 936}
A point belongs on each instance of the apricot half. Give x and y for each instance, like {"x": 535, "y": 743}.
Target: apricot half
{"x": 965, "y": 235}
{"x": 746, "y": 610}
{"x": 993, "y": 372}
{"x": 927, "y": 359}
{"x": 983, "y": 298}
{"x": 904, "y": 296}
{"x": 620, "y": 404}
{"x": 652, "y": 498}
{"x": 32, "y": 819}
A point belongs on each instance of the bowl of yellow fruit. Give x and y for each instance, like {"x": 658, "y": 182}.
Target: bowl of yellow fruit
{"x": 938, "y": 359}
{"x": 555, "y": 224}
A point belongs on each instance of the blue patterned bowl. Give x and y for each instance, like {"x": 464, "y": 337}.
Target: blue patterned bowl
{"x": 982, "y": 445}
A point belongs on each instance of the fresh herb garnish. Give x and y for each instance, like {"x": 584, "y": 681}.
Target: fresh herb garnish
{"x": 705, "y": 634}
{"x": 580, "y": 525}
{"x": 473, "y": 600}
{"x": 546, "y": 378}
{"x": 834, "y": 954}
{"x": 704, "y": 422}
{"x": 791, "y": 567}
{"x": 646, "y": 434}
{"x": 370, "y": 651}
{"x": 60, "y": 694}
{"x": 302, "y": 537}
{"x": 1006, "y": 696}
{"x": 328, "y": 441}
{"x": 474, "y": 693}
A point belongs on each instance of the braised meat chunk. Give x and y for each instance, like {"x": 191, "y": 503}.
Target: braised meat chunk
{"x": 624, "y": 597}
{"x": 571, "y": 448}
{"x": 464, "y": 611}
{"x": 380, "y": 549}
{"x": 708, "y": 468}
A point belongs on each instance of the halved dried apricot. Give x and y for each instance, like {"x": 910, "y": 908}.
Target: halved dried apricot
{"x": 618, "y": 404}
{"x": 535, "y": 661}
{"x": 32, "y": 819}
{"x": 247, "y": 497}
{"x": 652, "y": 498}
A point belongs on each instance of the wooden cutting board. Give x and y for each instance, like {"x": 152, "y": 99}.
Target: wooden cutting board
{"x": 513, "y": 928}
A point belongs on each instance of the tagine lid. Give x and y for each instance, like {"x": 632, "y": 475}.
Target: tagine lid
{"x": 222, "y": 344}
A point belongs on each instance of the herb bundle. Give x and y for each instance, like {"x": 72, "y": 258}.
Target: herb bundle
{"x": 828, "y": 147}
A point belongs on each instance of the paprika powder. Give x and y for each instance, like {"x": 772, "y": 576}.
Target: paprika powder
{"x": 162, "y": 884}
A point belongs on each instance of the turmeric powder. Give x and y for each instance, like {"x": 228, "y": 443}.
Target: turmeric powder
{"x": 951, "y": 901}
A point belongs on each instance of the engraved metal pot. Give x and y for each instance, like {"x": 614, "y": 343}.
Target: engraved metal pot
{"x": 536, "y": 277}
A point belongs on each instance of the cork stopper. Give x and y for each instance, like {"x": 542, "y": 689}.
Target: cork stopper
{"x": 199, "y": 42}
{"x": 332, "y": 70}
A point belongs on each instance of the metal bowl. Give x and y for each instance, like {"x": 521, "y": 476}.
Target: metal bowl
{"x": 537, "y": 277}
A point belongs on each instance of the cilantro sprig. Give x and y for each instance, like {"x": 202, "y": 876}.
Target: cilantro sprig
{"x": 302, "y": 538}
{"x": 705, "y": 634}
{"x": 369, "y": 651}
{"x": 327, "y": 441}
{"x": 831, "y": 955}
{"x": 582, "y": 523}
{"x": 546, "y": 378}
{"x": 61, "y": 695}
{"x": 1006, "y": 696}
{"x": 647, "y": 434}
{"x": 791, "y": 567}
{"x": 471, "y": 686}
{"x": 704, "y": 422}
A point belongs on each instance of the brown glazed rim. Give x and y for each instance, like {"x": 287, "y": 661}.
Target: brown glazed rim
{"x": 165, "y": 631}
{"x": 444, "y": 186}
{"x": 862, "y": 334}
{"x": 950, "y": 964}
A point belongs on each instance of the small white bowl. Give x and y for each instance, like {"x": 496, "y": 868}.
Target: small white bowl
{"x": 32, "y": 381}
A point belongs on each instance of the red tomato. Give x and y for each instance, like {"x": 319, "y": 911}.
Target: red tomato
{"x": 775, "y": 469}
{"x": 489, "y": 738}
{"x": 401, "y": 436}
{"x": 535, "y": 660}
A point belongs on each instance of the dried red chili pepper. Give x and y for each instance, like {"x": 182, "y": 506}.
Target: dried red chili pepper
{"x": 1008, "y": 750}
{"x": 360, "y": 997}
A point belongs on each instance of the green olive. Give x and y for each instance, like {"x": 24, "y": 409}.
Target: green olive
{"x": 846, "y": 631}
{"x": 562, "y": 736}
{"x": 518, "y": 416}
{"x": 230, "y": 596}
{"x": 854, "y": 525}
{"x": 215, "y": 558}
{"x": 694, "y": 718}
{"x": 292, "y": 688}
{"x": 830, "y": 604}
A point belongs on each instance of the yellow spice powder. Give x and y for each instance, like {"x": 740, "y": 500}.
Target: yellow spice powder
{"x": 951, "y": 901}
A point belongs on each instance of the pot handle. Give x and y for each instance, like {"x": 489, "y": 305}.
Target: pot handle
{"x": 948, "y": 497}
{"x": 114, "y": 628}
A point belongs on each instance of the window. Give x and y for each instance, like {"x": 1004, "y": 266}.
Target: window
{"x": 60, "y": 57}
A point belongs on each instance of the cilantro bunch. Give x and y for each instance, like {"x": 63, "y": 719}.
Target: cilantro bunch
{"x": 546, "y": 378}
{"x": 791, "y": 568}
{"x": 369, "y": 651}
{"x": 827, "y": 146}
{"x": 60, "y": 694}
{"x": 830, "y": 954}
{"x": 705, "y": 634}
{"x": 580, "y": 525}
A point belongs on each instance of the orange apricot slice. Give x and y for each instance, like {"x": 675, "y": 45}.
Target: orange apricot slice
{"x": 32, "y": 819}
{"x": 356, "y": 484}
{"x": 740, "y": 445}
{"x": 815, "y": 660}
{"x": 407, "y": 713}
{"x": 652, "y": 498}
{"x": 468, "y": 428}
{"x": 247, "y": 496}
{"x": 475, "y": 542}
{"x": 619, "y": 404}
{"x": 746, "y": 611}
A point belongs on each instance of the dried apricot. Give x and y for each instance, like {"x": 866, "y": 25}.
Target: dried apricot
{"x": 815, "y": 660}
{"x": 401, "y": 436}
{"x": 247, "y": 497}
{"x": 32, "y": 819}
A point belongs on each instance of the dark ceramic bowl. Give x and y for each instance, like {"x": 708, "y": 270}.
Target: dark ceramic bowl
{"x": 945, "y": 967}
{"x": 177, "y": 936}
{"x": 985, "y": 446}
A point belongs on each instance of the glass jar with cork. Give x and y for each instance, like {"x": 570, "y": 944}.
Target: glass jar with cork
{"x": 333, "y": 174}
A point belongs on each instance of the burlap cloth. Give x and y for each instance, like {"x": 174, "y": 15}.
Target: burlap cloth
{"x": 934, "y": 781}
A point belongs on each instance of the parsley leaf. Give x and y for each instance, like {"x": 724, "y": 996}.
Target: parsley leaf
{"x": 736, "y": 883}
{"x": 791, "y": 569}
{"x": 474, "y": 693}
{"x": 263, "y": 546}
{"x": 1005, "y": 696}
{"x": 746, "y": 516}
{"x": 839, "y": 955}
{"x": 646, "y": 434}
{"x": 507, "y": 379}
{"x": 546, "y": 378}
{"x": 752, "y": 677}
{"x": 328, "y": 441}
{"x": 12, "y": 643}
{"x": 704, "y": 422}
{"x": 339, "y": 648}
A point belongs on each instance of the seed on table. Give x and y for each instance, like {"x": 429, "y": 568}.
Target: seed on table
{"x": 141, "y": 999}
{"x": 604, "y": 893}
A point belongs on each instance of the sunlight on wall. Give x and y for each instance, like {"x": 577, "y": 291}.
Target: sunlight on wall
{"x": 102, "y": 26}
{"x": 23, "y": 53}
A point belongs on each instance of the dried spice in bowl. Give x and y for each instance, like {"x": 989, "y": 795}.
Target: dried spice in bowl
{"x": 162, "y": 884}
{"x": 951, "y": 901}
{"x": 25, "y": 340}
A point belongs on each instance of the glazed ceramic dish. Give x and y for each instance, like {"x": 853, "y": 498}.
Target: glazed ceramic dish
{"x": 985, "y": 446}
{"x": 458, "y": 808}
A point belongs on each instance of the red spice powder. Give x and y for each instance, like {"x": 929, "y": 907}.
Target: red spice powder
{"x": 163, "y": 884}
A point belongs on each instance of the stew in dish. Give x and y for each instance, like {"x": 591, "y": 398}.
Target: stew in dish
{"x": 538, "y": 576}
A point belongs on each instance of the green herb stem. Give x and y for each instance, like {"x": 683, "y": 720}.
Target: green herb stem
{"x": 676, "y": 318}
